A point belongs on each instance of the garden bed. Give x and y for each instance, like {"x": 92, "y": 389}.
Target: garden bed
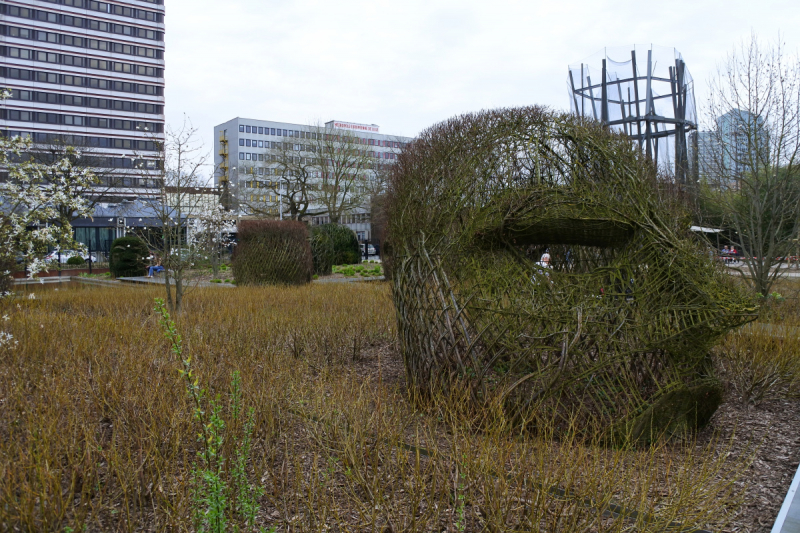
{"x": 99, "y": 431}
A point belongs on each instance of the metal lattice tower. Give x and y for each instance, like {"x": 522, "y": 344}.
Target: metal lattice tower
{"x": 649, "y": 97}
{"x": 224, "y": 169}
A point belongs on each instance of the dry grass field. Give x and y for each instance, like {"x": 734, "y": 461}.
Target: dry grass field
{"x": 98, "y": 432}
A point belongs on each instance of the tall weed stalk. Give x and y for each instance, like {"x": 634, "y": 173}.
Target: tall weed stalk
{"x": 215, "y": 500}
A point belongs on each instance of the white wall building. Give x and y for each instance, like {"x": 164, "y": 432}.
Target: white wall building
{"x": 243, "y": 148}
{"x": 89, "y": 74}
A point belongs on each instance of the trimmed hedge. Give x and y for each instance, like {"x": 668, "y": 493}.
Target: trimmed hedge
{"x": 346, "y": 250}
{"x": 128, "y": 257}
{"x": 272, "y": 252}
{"x": 76, "y": 260}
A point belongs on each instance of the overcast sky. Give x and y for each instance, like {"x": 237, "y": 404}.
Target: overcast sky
{"x": 408, "y": 64}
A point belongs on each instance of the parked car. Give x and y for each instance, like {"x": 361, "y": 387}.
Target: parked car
{"x": 66, "y": 254}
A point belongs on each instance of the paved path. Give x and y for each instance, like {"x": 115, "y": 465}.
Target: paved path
{"x": 788, "y": 520}
{"x": 786, "y": 271}
{"x": 55, "y": 280}
{"x": 144, "y": 280}
{"x": 348, "y": 280}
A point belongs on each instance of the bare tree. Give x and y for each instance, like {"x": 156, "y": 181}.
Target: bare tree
{"x": 322, "y": 171}
{"x": 347, "y": 167}
{"x": 285, "y": 185}
{"x": 180, "y": 199}
{"x": 749, "y": 158}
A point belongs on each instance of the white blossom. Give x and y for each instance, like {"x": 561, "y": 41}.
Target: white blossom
{"x": 31, "y": 198}
{"x": 7, "y": 339}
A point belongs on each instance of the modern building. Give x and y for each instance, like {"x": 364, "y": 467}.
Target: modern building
{"x": 89, "y": 74}
{"x": 248, "y": 154}
{"x": 738, "y": 141}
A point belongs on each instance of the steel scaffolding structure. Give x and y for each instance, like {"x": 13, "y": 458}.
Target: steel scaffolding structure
{"x": 656, "y": 107}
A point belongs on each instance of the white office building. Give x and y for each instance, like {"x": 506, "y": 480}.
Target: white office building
{"x": 245, "y": 155}
{"x": 89, "y": 74}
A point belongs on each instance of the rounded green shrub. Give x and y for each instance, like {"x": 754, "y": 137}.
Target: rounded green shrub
{"x": 272, "y": 252}
{"x": 322, "y": 251}
{"x": 346, "y": 250}
{"x": 128, "y": 257}
{"x": 76, "y": 260}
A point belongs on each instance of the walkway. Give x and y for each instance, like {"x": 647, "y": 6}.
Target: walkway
{"x": 348, "y": 280}
{"x": 786, "y": 271}
{"x": 144, "y": 280}
{"x": 788, "y": 520}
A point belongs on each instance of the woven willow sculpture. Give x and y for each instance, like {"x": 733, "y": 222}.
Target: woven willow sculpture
{"x": 615, "y": 331}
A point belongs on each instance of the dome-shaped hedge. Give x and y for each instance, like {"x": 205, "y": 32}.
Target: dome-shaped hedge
{"x": 346, "y": 249}
{"x": 322, "y": 251}
{"x": 129, "y": 257}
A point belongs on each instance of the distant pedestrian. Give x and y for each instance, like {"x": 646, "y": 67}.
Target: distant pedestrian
{"x": 544, "y": 261}
{"x": 155, "y": 267}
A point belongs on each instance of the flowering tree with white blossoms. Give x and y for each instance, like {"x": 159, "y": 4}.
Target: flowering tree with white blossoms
{"x": 35, "y": 200}
{"x": 211, "y": 232}
{"x": 36, "y": 203}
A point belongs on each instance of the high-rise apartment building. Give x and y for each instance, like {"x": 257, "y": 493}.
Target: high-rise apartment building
{"x": 738, "y": 143}
{"x": 88, "y": 74}
{"x": 261, "y": 159}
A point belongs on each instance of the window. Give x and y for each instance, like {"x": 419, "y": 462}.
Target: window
{"x": 372, "y": 142}
{"x": 260, "y": 130}
{"x": 247, "y": 143}
{"x": 247, "y": 130}
{"x": 247, "y": 156}
{"x": 241, "y": 128}
{"x": 261, "y": 143}
{"x": 241, "y": 142}
{"x": 241, "y": 156}
{"x": 272, "y": 131}
{"x": 284, "y": 133}
{"x": 260, "y": 157}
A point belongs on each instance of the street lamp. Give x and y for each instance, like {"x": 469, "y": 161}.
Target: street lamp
{"x": 280, "y": 201}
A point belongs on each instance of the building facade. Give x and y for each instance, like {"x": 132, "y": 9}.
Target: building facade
{"x": 251, "y": 155}
{"x": 738, "y": 144}
{"x": 88, "y": 74}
